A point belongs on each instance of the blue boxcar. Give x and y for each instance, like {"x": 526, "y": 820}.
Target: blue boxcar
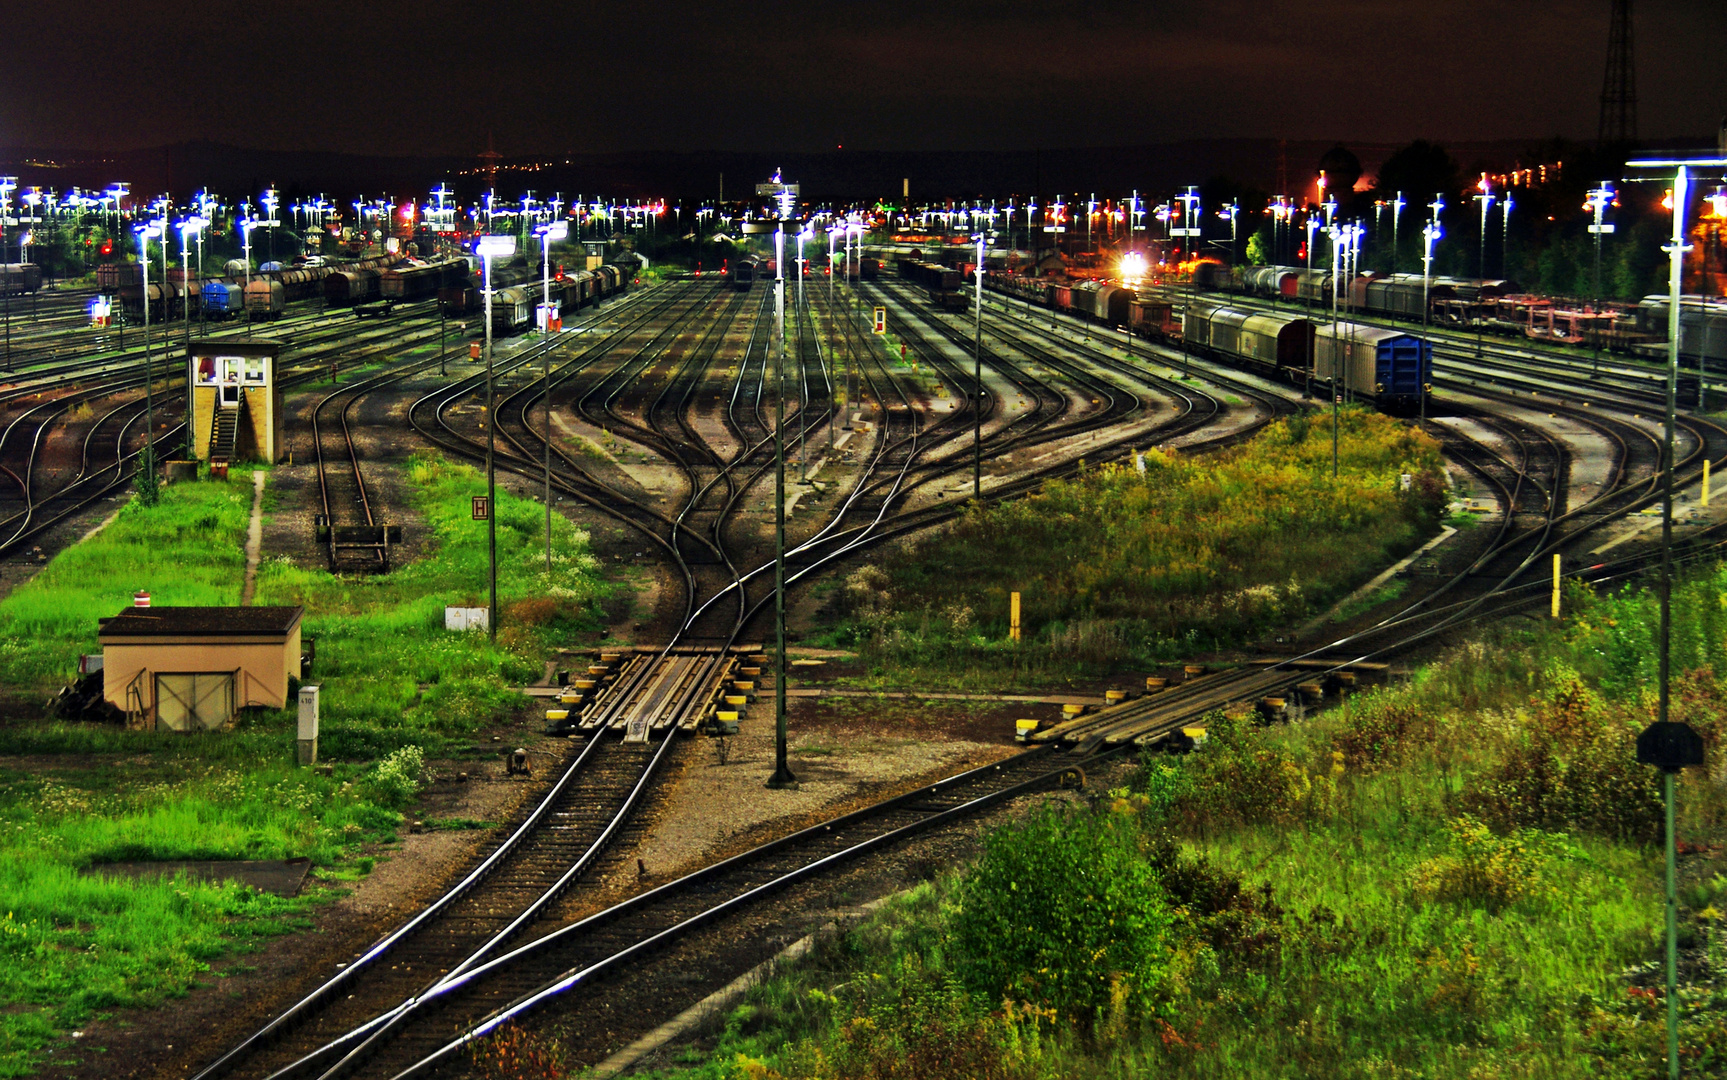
{"x": 223, "y": 299}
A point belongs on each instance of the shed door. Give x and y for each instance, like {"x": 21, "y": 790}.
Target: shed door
{"x": 194, "y": 701}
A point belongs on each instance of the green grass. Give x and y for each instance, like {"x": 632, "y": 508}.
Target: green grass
{"x": 1455, "y": 879}
{"x": 73, "y": 946}
{"x": 391, "y": 675}
{"x": 188, "y": 549}
{"x": 1115, "y": 566}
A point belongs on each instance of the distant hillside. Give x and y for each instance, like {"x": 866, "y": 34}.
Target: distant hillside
{"x": 1152, "y": 168}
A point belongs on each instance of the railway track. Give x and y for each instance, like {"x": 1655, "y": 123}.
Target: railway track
{"x": 506, "y": 972}
{"x": 573, "y": 964}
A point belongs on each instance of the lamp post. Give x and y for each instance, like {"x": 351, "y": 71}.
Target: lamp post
{"x": 557, "y": 230}
{"x": 1430, "y": 235}
{"x": 147, "y": 233}
{"x": 977, "y": 382}
{"x": 8, "y": 184}
{"x": 785, "y": 198}
{"x": 1334, "y": 235}
{"x": 1505, "y": 236}
{"x": 189, "y": 229}
{"x": 803, "y": 394}
{"x": 1486, "y": 201}
{"x": 489, "y": 248}
{"x": 1397, "y": 206}
{"x": 1599, "y": 199}
{"x": 246, "y": 227}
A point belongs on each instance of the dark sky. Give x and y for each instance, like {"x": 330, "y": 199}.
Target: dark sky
{"x": 377, "y": 76}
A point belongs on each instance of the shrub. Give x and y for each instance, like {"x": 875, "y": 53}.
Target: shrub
{"x": 396, "y": 779}
{"x": 1063, "y": 911}
{"x": 1379, "y": 730}
{"x": 926, "y": 1027}
{"x": 1486, "y": 870}
{"x": 1244, "y": 776}
{"x": 1572, "y": 765}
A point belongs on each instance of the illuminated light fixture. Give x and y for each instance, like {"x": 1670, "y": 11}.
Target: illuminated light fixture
{"x": 1133, "y": 266}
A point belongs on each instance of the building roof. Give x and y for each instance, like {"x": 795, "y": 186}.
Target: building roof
{"x": 212, "y": 622}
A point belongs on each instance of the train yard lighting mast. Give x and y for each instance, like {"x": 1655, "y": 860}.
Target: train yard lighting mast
{"x": 1230, "y": 213}
{"x": 1190, "y": 232}
{"x": 803, "y": 395}
{"x": 785, "y": 199}
{"x": 147, "y": 233}
{"x": 1334, "y": 235}
{"x": 557, "y": 230}
{"x": 1397, "y": 206}
{"x": 490, "y": 248}
{"x": 1505, "y": 236}
{"x": 977, "y": 380}
{"x": 8, "y": 184}
{"x": 1599, "y": 200}
{"x": 1485, "y": 198}
{"x": 1676, "y": 253}
{"x": 1430, "y": 235}
{"x": 189, "y": 229}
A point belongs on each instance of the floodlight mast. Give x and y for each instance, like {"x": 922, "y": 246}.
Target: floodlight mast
{"x": 556, "y": 230}
{"x": 784, "y": 196}
{"x": 489, "y": 248}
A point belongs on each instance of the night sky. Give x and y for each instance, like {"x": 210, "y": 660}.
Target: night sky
{"x": 548, "y": 78}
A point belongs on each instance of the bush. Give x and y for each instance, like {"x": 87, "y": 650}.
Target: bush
{"x": 1064, "y": 911}
{"x": 926, "y": 1027}
{"x": 1244, "y": 776}
{"x": 1571, "y": 764}
{"x": 1486, "y": 870}
{"x": 397, "y": 778}
{"x": 1380, "y": 730}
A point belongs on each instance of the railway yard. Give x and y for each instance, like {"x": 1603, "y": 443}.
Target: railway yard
{"x": 630, "y": 862}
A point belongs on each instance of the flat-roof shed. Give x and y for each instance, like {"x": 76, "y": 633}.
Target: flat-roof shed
{"x": 191, "y": 668}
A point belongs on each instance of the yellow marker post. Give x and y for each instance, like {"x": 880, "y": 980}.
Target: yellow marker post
{"x": 1555, "y": 586}
{"x": 1013, "y": 616}
{"x": 1705, "y": 481}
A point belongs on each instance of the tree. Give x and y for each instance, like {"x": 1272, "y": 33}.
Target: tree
{"x": 1420, "y": 170}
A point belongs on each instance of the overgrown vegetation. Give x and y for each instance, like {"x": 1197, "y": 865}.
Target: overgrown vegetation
{"x": 74, "y": 944}
{"x": 1120, "y": 565}
{"x": 1453, "y": 878}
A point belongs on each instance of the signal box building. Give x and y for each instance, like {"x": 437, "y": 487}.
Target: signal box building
{"x": 235, "y": 401}
{"x": 191, "y": 668}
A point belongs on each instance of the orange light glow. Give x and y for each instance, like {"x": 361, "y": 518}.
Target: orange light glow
{"x": 1667, "y": 200}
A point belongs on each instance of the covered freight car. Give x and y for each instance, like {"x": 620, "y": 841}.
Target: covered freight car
{"x": 17, "y": 279}
{"x": 1392, "y": 369}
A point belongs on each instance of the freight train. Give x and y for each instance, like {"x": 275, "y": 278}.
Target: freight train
{"x": 1391, "y": 369}
{"x": 945, "y": 285}
{"x": 513, "y": 306}
{"x": 271, "y": 288}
